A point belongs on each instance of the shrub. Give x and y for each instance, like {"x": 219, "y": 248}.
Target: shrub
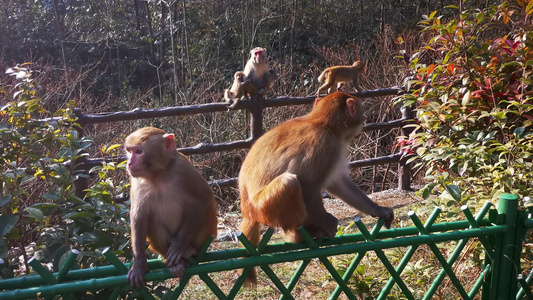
{"x": 40, "y": 212}
{"x": 473, "y": 103}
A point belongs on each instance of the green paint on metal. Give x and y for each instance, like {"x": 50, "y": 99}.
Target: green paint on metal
{"x": 504, "y": 283}
{"x": 500, "y": 234}
{"x": 407, "y": 257}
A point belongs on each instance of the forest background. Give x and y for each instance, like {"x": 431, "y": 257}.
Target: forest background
{"x": 105, "y": 56}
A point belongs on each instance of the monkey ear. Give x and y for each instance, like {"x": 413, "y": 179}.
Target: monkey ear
{"x": 169, "y": 142}
{"x": 350, "y": 103}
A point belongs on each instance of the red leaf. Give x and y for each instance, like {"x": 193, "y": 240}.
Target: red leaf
{"x": 479, "y": 84}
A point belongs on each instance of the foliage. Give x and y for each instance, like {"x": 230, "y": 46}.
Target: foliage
{"x": 364, "y": 285}
{"x": 473, "y": 103}
{"x": 38, "y": 199}
{"x": 171, "y": 48}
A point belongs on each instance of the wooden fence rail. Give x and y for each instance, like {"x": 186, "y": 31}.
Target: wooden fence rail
{"x": 255, "y": 107}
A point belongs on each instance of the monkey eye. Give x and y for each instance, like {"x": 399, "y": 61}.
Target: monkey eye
{"x": 134, "y": 150}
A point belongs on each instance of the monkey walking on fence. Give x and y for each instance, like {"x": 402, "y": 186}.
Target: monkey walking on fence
{"x": 339, "y": 75}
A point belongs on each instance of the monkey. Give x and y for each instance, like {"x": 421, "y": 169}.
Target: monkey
{"x": 172, "y": 205}
{"x": 282, "y": 177}
{"x": 339, "y": 75}
{"x": 257, "y": 70}
{"x": 241, "y": 87}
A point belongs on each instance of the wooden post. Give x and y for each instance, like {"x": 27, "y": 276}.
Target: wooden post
{"x": 404, "y": 168}
{"x": 81, "y": 183}
{"x": 256, "y": 116}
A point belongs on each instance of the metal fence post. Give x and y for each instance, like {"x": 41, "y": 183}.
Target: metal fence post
{"x": 504, "y": 278}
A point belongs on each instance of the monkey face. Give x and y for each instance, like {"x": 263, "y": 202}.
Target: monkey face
{"x": 149, "y": 151}
{"x": 135, "y": 165}
{"x": 239, "y": 75}
{"x": 258, "y": 55}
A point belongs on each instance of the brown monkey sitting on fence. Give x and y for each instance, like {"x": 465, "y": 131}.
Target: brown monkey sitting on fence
{"x": 257, "y": 70}
{"x": 241, "y": 87}
{"x": 172, "y": 205}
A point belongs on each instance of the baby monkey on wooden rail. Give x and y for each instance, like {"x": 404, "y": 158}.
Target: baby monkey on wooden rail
{"x": 172, "y": 205}
{"x": 256, "y": 77}
{"x": 283, "y": 175}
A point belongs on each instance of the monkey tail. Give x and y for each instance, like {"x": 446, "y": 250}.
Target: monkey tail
{"x": 322, "y": 75}
{"x": 252, "y": 231}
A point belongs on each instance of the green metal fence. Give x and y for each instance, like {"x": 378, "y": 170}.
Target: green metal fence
{"x": 500, "y": 231}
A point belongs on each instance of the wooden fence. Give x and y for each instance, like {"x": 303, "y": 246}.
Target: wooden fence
{"x": 255, "y": 107}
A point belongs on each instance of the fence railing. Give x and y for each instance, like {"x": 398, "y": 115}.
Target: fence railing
{"x": 500, "y": 232}
{"x": 255, "y": 108}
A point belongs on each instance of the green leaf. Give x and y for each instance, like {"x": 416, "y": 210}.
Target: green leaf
{"x": 466, "y": 97}
{"x": 4, "y": 200}
{"x": 3, "y": 248}
{"x": 7, "y": 222}
{"x": 77, "y": 215}
{"x": 34, "y": 213}
{"x": 110, "y": 148}
{"x": 50, "y": 197}
{"x": 454, "y": 191}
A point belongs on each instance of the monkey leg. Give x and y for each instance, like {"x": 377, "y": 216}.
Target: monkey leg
{"x": 228, "y": 96}
{"x": 326, "y": 86}
{"x": 327, "y": 227}
{"x": 252, "y": 231}
{"x": 280, "y": 203}
{"x": 234, "y": 103}
{"x": 136, "y": 273}
{"x": 178, "y": 270}
{"x": 320, "y": 223}
{"x": 356, "y": 85}
{"x": 176, "y": 260}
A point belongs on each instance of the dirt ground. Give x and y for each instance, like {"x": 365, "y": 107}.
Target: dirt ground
{"x": 393, "y": 198}
{"x": 399, "y": 200}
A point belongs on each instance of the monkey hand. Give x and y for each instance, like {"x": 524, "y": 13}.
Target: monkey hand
{"x": 232, "y": 103}
{"x": 136, "y": 274}
{"x": 178, "y": 270}
{"x": 177, "y": 256}
{"x": 388, "y": 214}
